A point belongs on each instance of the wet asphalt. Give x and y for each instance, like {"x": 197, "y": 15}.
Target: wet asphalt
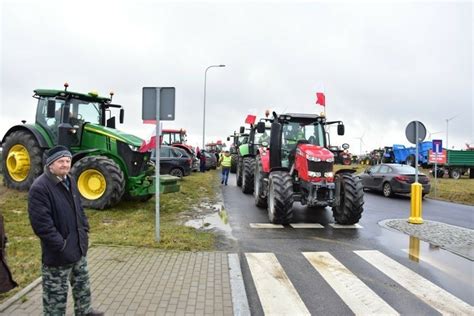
{"x": 448, "y": 271}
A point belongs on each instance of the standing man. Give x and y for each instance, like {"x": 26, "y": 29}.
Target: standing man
{"x": 58, "y": 219}
{"x": 225, "y": 161}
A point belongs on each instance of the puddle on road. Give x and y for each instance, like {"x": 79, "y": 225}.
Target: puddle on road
{"x": 429, "y": 255}
{"x": 217, "y": 220}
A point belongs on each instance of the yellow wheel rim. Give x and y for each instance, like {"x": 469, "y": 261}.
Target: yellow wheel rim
{"x": 18, "y": 163}
{"x": 91, "y": 184}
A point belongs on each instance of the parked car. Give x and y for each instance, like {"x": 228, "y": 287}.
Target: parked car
{"x": 174, "y": 161}
{"x": 211, "y": 160}
{"x": 393, "y": 178}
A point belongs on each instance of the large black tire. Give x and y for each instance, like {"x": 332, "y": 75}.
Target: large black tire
{"x": 455, "y": 173}
{"x": 238, "y": 175}
{"x": 280, "y": 197}
{"x": 22, "y": 160}
{"x": 260, "y": 199}
{"x": 105, "y": 169}
{"x": 233, "y": 163}
{"x": 350, "y": 209}
{"x": 411, "y": 160}
{"x": 248, "y": 175}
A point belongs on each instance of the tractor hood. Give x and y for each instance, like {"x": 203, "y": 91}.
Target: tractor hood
{"x": 315, "y": 153}
{"x": 115, "y": 134}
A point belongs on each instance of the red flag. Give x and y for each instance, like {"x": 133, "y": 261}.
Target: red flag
{"x": 250, "y": 119}
{"x": 320, "y": 98}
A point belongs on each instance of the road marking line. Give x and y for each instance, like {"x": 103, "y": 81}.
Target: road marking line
{"x": 265, "y": 225}
{"x": 239, "y": 295}
{"x": 345, "y": 226}
{"x": 306, "y": 225}
{"x": 425, "y": 290}
{"x": 275, "y": 290}
{"x": 355, "y": 293}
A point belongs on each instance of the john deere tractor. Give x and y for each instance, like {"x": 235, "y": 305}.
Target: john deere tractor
{"x": 106, "y": 162}
{"x": 298, "y": 166}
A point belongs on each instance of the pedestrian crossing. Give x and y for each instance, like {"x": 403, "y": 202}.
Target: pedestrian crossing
{"x": 279, "y": 296}
{"x": 303, "y": 226}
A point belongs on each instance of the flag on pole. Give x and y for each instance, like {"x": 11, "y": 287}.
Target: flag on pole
{"x": 320, "y": 98}
{"x": 250, "y": 119}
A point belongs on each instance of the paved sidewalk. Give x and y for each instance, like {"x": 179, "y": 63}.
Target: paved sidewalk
{"x": 143, "y": 281}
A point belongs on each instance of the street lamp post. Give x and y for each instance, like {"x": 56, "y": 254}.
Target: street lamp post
{"x": 447, "y": 122}
{"x": 204, "y": 112}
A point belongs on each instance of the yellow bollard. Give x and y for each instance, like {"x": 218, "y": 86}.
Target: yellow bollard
{"x": 416, "y": 209}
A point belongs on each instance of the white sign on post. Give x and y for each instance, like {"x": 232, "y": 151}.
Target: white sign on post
{"x": 158, "y": 104}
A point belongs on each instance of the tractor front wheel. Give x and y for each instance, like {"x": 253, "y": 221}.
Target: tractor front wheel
{"x": 100, "y": 181}
{"x": 248, "y": 175}
{"x": 22, "y": 160}
{"x": 280, "y": 197}
{"x": 260, "y": 198}
{"x": 351, "y": 200}
{"x": 233, "y": 163}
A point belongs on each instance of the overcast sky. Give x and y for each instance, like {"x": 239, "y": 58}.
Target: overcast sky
{"x": 380, "y": 65}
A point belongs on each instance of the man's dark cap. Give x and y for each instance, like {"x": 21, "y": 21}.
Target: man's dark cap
{"x": 56, "y": 153}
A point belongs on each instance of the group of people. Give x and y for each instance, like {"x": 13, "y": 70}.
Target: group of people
{"x": 223, "y": 159}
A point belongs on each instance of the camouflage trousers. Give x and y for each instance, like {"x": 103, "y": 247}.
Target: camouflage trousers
{"x": 55, "y": 287}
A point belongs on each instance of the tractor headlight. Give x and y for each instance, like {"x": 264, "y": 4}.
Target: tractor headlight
{"x": 328, "y": 175}
{"x": 312, "y": 158}
{"x": 314, "y": 174}
{"x": 330, "y": 160}
{"x": 133, "y": 148}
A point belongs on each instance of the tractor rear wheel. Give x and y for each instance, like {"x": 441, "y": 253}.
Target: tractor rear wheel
{"x": 280, "y": 197}
{"x": 350, "y": 207}
{"x": 233, "y": 163}
{"x": 248, "y": 175}
{"x": 22, "y": 160}
{"x": 260, "y": 199}
{"x": 99, "y": 180}
{"x": 238, "y": 176}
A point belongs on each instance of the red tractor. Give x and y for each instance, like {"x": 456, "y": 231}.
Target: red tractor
{"x": 298, "y": 166}
{"x": 176, "y": 138}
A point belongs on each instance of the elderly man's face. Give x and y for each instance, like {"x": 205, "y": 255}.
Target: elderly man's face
{"x": 61, "y": 166}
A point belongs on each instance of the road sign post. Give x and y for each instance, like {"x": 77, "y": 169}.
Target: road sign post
{"x": 437, "y": 148}
{"x": 158, "y": 104}
{"x": 416, "y": 132}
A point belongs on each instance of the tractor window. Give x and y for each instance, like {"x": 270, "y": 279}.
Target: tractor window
{"x": 83, "y": 111}
{"x": 50, "y": 124}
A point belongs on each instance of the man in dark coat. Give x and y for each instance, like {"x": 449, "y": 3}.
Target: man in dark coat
{"x": 58, "y": 219}
{"x": 6, "y": 280}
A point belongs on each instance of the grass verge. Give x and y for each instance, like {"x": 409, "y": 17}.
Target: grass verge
{"x": 127, "y": 224}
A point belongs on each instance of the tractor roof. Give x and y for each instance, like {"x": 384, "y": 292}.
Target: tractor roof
{"x": 302, "y": 118}
{"x": 91, "y": 97}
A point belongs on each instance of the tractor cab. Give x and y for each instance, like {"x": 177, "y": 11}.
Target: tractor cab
{"x": 173, "y": 136}
{"x": 62, "y": 114}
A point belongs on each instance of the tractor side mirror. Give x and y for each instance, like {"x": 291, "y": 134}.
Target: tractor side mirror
{"x": 111, "y": 122}
{"x": 261, "y": 127}
{"x": 340, "y": 129}
{"x": 228, "y": 138}
{"x": 51, "y": 109}
{"x": 242, "y": 129}
{"x": 122, "y": 114}
{"x": 345, "y": 146}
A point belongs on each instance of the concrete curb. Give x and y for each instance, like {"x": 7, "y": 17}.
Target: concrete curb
{"x": 239, "y": 295}
{"x": 20, "y": 294}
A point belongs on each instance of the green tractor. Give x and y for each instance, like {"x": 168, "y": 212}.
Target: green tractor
{"x": 247, "y": 153}
{"x": 106, "y": 162}
{"x": 237, "y": 140}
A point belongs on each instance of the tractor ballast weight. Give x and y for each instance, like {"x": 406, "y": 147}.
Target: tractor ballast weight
{"x": 106, "y": 162}
{"x": 298, "y": 166}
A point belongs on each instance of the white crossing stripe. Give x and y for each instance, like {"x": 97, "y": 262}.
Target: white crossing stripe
{"x": 345, "y": 226}
{"x": 358, "y": 296}
{"x": 265, "y": 225}
{"x": 306, "y": 225}
{"x": 276, "y": 292}
{"x": 425, "y": 290}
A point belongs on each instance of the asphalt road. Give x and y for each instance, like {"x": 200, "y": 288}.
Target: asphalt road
{"x": 278, "y": 273}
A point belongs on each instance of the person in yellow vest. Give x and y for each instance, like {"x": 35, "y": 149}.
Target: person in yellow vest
{"x": 225, "y": 161}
